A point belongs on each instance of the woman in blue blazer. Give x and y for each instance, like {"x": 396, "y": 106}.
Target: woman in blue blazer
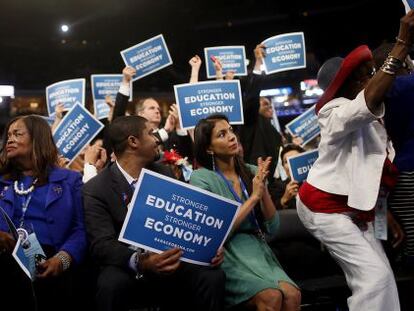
{"x": 44, "y": 203}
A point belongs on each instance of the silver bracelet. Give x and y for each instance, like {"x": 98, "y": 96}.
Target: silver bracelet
{"x": 64, "y": 259}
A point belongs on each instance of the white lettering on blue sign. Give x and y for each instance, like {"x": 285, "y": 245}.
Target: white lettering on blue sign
{"x": 304, "y": 169}
{"x": 76, "y": 138}
{"x": 147, "y": 53}
{"x": 148, "y": 62}
{"x": 189, "y": 202}
{"x": 209, "y": 97}
{"x": 306, "y": 123}
{"x": 282, "y": 58}
{"x": 283, "y": 47}
{"x": 108, "y": 84}
{"x": 210, "y": 110}
{"x": 63, "y": 92}
{"x": 70, "y": 129}
{"x": 228, "y": 57}
{"x": 180, "y": 210}
{"x": 176, "y": 232}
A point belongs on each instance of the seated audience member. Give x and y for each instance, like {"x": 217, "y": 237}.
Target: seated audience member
{"x": 284, "y": 191}
{"x": 337, "y": 202}
{"x": 254, "y": 277}
{"x": 399, "y": 123}
{"x": 129, "y": 277}
{"x": 44, "y": 203}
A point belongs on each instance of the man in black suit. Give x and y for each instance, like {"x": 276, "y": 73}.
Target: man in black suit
{"x": 130, "y": 277}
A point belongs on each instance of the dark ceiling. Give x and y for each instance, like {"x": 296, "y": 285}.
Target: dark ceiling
{"x": 32, "y": 54}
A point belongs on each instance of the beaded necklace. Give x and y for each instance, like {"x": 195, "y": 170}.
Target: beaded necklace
{"x": 23, "y": 191}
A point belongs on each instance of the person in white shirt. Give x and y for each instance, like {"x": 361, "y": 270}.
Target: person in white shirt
{"x": 337, "y": 202}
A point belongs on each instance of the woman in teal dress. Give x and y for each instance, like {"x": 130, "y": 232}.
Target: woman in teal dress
{"x": 254, "y": 277}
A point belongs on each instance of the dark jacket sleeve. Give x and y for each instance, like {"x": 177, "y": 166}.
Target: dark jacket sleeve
{"x": 121, "y": 103}
{"x": 102, "y": 234}
{"x": 251, "y": 98}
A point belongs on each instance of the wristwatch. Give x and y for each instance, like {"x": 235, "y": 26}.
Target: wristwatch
{"x": 64, "y": 259}
{"x": 140, "y": 255}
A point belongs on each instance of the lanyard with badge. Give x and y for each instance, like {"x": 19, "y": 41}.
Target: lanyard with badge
{"x": 252, "y": 214}
{"x": 30, "y": 244}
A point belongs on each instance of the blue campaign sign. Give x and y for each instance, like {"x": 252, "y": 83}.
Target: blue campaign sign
{"x": 285, "y": 52}
{"x": 147, "y": 57}
{"x": 196, "y": 101}
{"x": 21, "y": 258}
{"x": 300, "y": 165}
{"x": 49, "y": 120}
{"x": 305, "y": 126}
{"x": 232, "y": 58}
{"x": 103, "y": 85}
{"x": 165, "y": 213}
{"x": 68, "y": 92}
{"x": 409, "y": 5}
{"x": 75, "y": 131}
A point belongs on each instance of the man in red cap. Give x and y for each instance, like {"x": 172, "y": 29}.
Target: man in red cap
{"x": 337, "y": 202}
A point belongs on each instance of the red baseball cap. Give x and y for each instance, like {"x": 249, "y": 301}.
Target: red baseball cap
{"x": 335, "y": 71}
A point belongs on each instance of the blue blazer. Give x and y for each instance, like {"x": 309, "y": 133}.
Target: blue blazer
{"x": 64, "y": 210}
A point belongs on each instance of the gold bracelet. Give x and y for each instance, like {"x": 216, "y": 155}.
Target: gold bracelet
{"x": 391, "y": 65}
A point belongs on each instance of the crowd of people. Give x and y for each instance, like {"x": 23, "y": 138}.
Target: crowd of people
{"x": 74, "y": 215}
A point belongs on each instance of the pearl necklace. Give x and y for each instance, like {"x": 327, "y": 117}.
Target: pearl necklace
{"x": 22, "y": 191}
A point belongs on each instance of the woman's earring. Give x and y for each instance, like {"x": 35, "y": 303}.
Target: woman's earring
{"x": 213, "y": 161}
